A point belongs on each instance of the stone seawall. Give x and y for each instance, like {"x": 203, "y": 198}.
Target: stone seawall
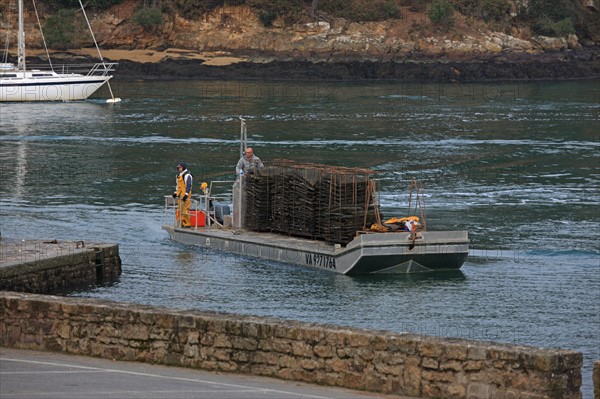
{"x": 44, "y": 267}
{"x": 377, "y": 361}
{"x": 596, "y": 378}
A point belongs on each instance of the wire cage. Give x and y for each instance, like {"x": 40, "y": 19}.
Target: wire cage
{"x": 310, "y": 200}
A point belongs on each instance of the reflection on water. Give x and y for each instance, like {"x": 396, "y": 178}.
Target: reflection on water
{"x": 514, "y": 164}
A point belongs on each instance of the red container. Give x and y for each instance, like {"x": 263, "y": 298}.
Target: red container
{"x": 195, "y": 215}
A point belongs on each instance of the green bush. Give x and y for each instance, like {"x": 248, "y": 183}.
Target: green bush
{"x": 148, "y": 18}
{"x": 494, "y": 10}
{"x": 97, "y": 4}
{"x": 553, "y": 17}
{"x": 268, "y": 10}
{"x": 361, "y": 10}
{"x": 390, "y": 9}
{"x": 267, "y": 17}
{"x": 193, "y": 9}
{"x": 61, "y": 30}
{"x": 555, "y": 10}
{"x": 545, "y": 26}
{"x": 440, "y": 13}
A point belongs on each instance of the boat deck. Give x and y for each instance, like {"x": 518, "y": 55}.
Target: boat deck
{"x": 263, "y": 238}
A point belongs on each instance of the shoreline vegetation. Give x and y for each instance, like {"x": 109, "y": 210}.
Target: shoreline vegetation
{"x": 404, "y": 40}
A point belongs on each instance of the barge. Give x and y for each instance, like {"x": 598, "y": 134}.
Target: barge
{"x": 368, "y": 253}
{"x": 314, "y": 216}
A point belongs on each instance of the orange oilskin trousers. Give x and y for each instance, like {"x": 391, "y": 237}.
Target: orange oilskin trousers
{"x": 183, "y": 207}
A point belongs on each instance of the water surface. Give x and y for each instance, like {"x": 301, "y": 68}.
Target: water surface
{"x": 514, "y": 164}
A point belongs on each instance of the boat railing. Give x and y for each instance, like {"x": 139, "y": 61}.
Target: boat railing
{"x": 171, "y": 211}
{"x": 219, "y": 191}
{"x": 103, "y": 68}
{"x": 97, "y": 69}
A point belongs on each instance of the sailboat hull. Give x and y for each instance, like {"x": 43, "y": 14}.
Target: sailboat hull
{"x": 19, "y": 84}
{"x": 55, "y": 88}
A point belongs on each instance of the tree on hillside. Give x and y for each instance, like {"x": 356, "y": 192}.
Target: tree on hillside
{"x": 99, "y": 4}
{"x": 552, "y": 17}
{"x": 313, "y": 9}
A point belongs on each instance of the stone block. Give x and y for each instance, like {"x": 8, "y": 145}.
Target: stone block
{"x": 476, "y": 352}
{"x": 191, "y": 351}
{"x": 193, "y": 338}
{"x": 289, "y": 362}
{"x": 207, "y": 339}
{"x": 373, "y": 382}
{"x": 412, "y": 380}
{"x": 596, "y": 379}
{"x": 451, "y": 365}
{"x": 439, "y": 376}
{"x": 229, "y": 367}
{"x": 431, "y": 390}
{"x": 477, "y": 390}
{"x": 392, "y": 358}
{"x": 395, "y": 370}
{"x": 430, "y": 363}
{"x": 63, "y": 331}
{"x": 358, "y": 340}
{"x": 351, "y": 380}
{"x": 472, "y": 365}
{"x": 453, "y": 391}
{"x": 502, "y": 353}
{"x": 309, "y": 364}
{"x": 337, "y": 365}
{"x": 240, "y": 357}
{"x": 250, "y": 330}
{"x": 56, "y": 345}
{"x": 187, "y": 322}
{"x": 222, "y": 341}
{"x": 324, "y": 351}
{"x": 281, "y": 346}
{"x": 301, "y": 349}
{"x": 356, "y": 365}
{"x": 247, "y": 344}
{"x": 223, "y": 355}
{"x": 336, "y": 338}
{"x": 365, "y": 353}
{"x": 431, "y": 349}
{"x": 506, "y": 394}
{"x": 265, "y": 358}
{"x": 136, "y": 332}
{"x": 456, "y": 351}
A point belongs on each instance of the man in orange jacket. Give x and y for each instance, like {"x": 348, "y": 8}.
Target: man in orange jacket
{"x": 183, "y": 193}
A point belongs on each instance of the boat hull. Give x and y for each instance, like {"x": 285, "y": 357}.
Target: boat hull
{"x": 385, "y": 253}
{"x": 50, "y": 89}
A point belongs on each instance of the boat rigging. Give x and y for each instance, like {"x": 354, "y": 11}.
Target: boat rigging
{"x": 19, "y": 84}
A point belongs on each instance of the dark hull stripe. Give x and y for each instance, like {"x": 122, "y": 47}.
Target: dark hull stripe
{"x": 78, "y": 82}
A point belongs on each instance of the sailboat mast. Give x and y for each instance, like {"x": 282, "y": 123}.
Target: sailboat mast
{"x": 21, "y": 40}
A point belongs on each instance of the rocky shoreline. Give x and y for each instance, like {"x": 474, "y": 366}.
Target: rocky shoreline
{"x": 579, "y": 64}
{"x": 231, "y": 42}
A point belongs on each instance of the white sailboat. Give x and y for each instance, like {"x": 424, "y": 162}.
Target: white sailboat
{"x": 19, "y": 84}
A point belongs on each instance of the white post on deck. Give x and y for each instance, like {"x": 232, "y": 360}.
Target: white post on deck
{"x": 239, "y": 204}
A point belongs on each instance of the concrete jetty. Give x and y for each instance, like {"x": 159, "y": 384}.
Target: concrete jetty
{"x": 51, "y": 266}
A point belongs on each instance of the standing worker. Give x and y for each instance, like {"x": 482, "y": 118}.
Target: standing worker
{"x": 248, "y": 163}
{"x": 183, "y": 193}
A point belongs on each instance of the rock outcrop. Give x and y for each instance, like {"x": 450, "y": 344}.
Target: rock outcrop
{"x": 409, "y": 48}
{"x": 238, "y": 29}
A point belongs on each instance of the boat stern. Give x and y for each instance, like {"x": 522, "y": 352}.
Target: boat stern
{"x": 393, "y": 253}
